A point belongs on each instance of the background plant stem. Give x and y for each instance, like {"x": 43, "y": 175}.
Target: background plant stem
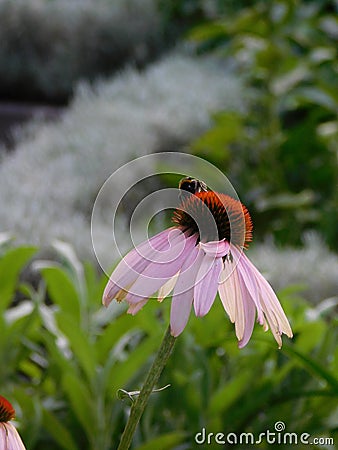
{"x": 153, "y": 375}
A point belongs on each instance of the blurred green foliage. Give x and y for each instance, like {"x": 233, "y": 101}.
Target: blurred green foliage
{"x": 64, "y": 357}
{"x": 281, "y": 151}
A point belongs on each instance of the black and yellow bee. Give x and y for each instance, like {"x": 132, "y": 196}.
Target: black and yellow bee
{"x": 192, "y": 185}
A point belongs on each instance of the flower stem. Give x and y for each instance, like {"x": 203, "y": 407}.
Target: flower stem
{"x": 154, "y": 373}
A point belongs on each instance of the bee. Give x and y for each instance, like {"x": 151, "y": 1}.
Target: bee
{"x": 192, "y": 185}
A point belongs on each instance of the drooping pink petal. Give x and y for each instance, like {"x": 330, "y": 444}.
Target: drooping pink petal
{"x": 158, "y": 273}
{"x": 184, "y": 292}
{"x": 265, "y": 325}
{"x": 244, "y": 267}
{"x": 206, "y": 284}
{"x": 136, "y": 307}
{"x": 146, "y": 249}
{"x": 229, "y": 290}
{"x": 270, "y": 304}
{"x": 274, "y": 314}
{"x": 165, "y": 290}
{"x": 128, "y": 270}
{"x": 9, "y": 437}
{"x": 255, "y": 289}
{"x": 274, "y": 326}
{"x": 249, "y": 315}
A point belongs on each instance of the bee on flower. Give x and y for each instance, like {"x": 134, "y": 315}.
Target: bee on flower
{"x": 202, "y": 254}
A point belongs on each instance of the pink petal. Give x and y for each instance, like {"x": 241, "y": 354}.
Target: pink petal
{"x": 244, "y": 267}
{"x": 146, "y": 250}
{"x": 216, "y": 249}
{"x": 207, "y": 284}
{"x": 270, "y": 304}
{"x": 265, "y": 325}
{"x": 261, "y": 293}
{"x": 274, "y": 326}
{"x": 136, "y": 307}
{"x": 158, "y": 273}
{"x": 229, "y": 290}
{"x": 249, "y": 316}
{"x": 128, "y": 270}
{"x": 275, "y": 315}
{"x": 165, "y": 290}
{"x": 231, "y": 296}
{"x": 240, "y": 317}
{"x": 184, "y": 292}
{"x": 10, "y": 438}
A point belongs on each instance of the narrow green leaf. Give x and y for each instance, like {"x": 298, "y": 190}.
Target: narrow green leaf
{"x": 58, "y": 361}
{"x": 164, "y": 442}
{"x": 207, "y": 31}
{"x": 313, "y": 366}
{"x": 252, "y": 401}
{"x": 62, "y": 291}
{"x": 11, "y": 264}
{"x": 58, "y": 431}
{"x": 81, "y": 401}
{"x": 309, "y": 334}
{"x": 83, "y": 351}
{"x": 228, "y": 393}
{"x": 112, "y": 333}
{"x": 29, "y": 410}
{"x": 121, "y": 373}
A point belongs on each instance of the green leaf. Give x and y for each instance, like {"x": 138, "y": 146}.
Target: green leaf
{"x": 82, "y": 349}
{"x": 229, "y": 393}
{"x": 62, "y": 291}
{"x": 252, "y": 401}
{"x": 58, "y": 362}
{"x": 112, "y": 333}
{"x": 164, "y": 442}
{"x": 207, "y": 31}
{"x": 121, "y": 373}
{"x": 313, "y": 366}
{"x": 81, "y": 401}
{"x": 29, "y": 409}
{"x": 11, "y": 264}
{"x": 59, "y": 432}
{"x": 227, "y": 129}
{"x": 317, "y": 96}
{"x": 309, "y": 334}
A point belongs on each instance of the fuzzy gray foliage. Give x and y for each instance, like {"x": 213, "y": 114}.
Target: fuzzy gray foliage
{"x": 313, "y": 268}
{"x": 49, "y": 183}
{"x": 46, "y": 46}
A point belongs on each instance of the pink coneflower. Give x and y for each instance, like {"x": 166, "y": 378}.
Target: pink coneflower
{"x": 200, "y": 255}
{"x": 9, "y": 437}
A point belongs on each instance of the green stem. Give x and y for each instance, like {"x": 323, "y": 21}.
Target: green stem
{"x": 154, "y": 373}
